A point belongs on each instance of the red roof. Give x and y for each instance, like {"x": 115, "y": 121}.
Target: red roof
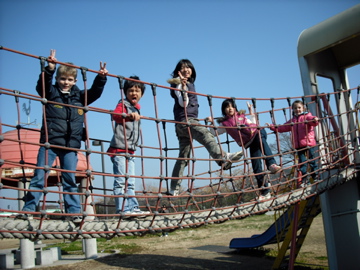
{"x": 12, "y": 152}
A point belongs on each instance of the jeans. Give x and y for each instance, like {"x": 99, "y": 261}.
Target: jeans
{"x": 256, "y": 153}
{"x": 202, "y": 135}
{"x": 124, "y": 184}
{"x": 68, "y": 161}
{"x": 313, "y": 164}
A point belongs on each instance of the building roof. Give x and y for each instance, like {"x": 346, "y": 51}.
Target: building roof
{"x": 21, "y": 147}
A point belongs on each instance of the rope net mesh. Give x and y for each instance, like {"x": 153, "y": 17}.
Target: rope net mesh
{"x": 208, "y": 194}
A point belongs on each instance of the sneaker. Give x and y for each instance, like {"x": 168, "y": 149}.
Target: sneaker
{"x": 24, "y": 216}
{"x": 264, "y": 197}
{"x": 274, "y": 168}
{"x": 268, "y": 186}
{"x": 76, "y": 219}
{"x": 234, "y": 156}
{"x": 174, "y": 192}
{"x": 125, "y": 214}
{"x": 230, "y": 158}
{"x": 138, "y": 213}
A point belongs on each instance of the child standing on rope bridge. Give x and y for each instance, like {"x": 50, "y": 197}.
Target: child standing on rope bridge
{"x": 65, "y": 127}
{"x": 186, "y": 111}
{"x": 164, "y": 209}
{"x": 123, "y": 145}
{"x": 248, "y": 136}
{"x": 301, "y": 126}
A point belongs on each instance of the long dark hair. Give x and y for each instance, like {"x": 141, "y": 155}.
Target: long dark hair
{"x": 178, "y": 67}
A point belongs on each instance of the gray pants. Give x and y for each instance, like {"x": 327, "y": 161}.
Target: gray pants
{"x": 202, "y": 135}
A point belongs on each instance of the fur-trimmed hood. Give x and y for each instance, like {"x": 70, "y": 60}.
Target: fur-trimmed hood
{"x": 174, "y": 80}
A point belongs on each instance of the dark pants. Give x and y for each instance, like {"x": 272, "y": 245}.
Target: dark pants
{"x": 68, "y": 161}
{"x": 313, "y": 164}
{"x": 256, "y": 153}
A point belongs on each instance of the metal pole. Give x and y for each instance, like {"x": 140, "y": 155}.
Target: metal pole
{"x": 101, "y": 144}
{"x": 103, "y": 171}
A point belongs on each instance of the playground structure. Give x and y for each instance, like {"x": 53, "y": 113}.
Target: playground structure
{"x": 325, "y": 50}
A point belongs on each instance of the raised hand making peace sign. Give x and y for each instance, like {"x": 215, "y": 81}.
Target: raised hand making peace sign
{"x": 52, "y": 59}
{"x": 103, "y": 70}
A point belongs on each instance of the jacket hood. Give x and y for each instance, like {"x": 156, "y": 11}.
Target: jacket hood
{"x": 174, "y": 80}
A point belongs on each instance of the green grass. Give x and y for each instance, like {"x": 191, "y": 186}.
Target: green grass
{"x": 125, "y": 246}
{"x": 117, "y": 244}
{"x": 69, "y": 248}
{"x": 75, "y": 248}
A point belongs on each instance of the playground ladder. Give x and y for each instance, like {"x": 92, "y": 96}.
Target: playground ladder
{"x": 307, "y": 211}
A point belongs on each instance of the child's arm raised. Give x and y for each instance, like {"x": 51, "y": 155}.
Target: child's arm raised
{"x": 49, "y": 72}
{"x": 252, "y": 116}
{"x": 51, "y": 60}
{"x": 103, "y": 71}
{"x": 98, "y": 85}
{"x": 181, "y": 96}
{"x": 250, "y": 108}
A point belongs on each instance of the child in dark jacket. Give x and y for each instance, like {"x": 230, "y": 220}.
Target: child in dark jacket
{"x": 65, "y": 127}
{"x": 248, "y": 136}
{"x": 186, "y": 111}
{"x": 301, "y": 126}
{"x": 123, "y": 145}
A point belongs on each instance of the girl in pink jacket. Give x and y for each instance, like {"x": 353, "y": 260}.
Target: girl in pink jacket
{"x": 248, "y": 135}
{"x": 303, "y": 138}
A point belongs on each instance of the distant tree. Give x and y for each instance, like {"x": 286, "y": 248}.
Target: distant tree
{"x": 285, "y": 145}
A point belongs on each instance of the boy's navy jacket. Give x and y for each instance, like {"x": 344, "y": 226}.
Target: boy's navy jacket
{"x": 65, "y": 124}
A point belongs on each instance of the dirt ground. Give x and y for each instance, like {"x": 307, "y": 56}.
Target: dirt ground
{"x": 201, "y": 248}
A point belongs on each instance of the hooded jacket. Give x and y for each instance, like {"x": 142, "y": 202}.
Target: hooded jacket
{"x": 65, "y": 124}
{"x": 302, "y": 130}
{"x": 132, "y": 128}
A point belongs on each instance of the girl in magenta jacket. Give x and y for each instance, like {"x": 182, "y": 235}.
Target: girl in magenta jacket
{"x": 248, "y": 136}
{"x": 303, "y": 138}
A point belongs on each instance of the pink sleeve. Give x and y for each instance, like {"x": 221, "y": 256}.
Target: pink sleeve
{"x": 283, "y": 128}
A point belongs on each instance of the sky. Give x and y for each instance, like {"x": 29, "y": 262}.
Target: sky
{"x": 239, "y": 48}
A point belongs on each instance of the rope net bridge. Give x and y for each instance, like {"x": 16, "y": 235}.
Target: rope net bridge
{"x": 208, "y": 195}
